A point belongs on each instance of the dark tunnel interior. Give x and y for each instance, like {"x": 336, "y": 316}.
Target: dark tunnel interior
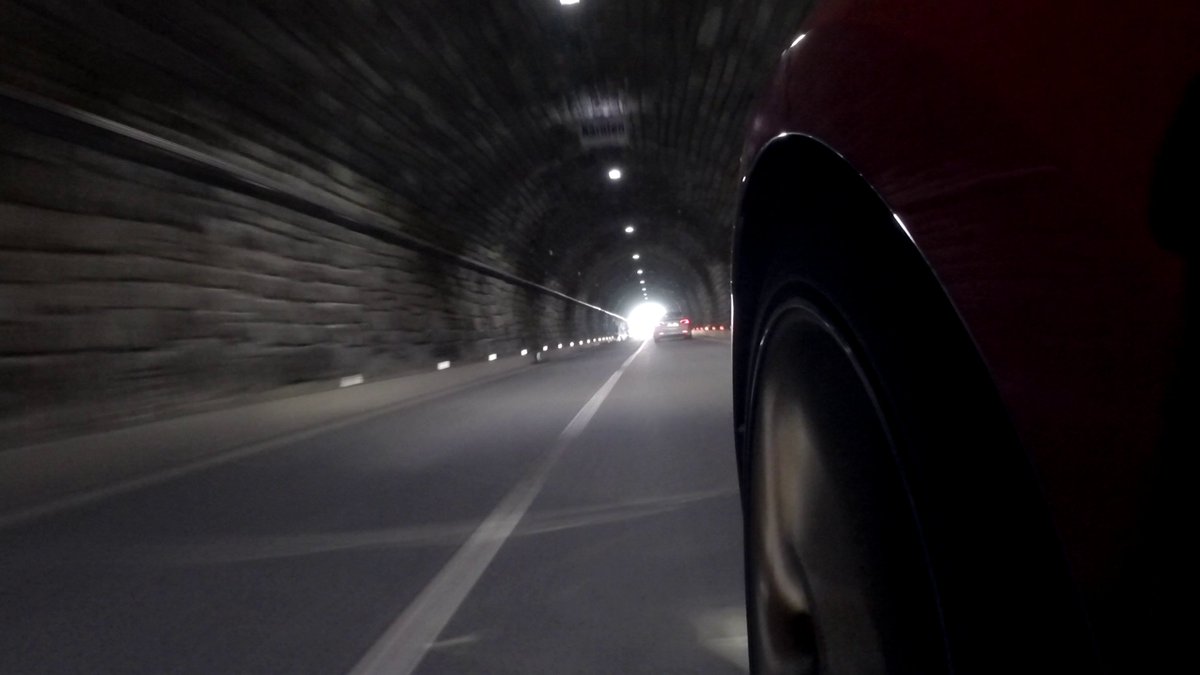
{"x": 394, "y": 337}
{"x": 202, "y": 199}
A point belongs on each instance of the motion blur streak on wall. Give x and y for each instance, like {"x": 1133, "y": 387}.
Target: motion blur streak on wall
{"x": 137, "y": 281}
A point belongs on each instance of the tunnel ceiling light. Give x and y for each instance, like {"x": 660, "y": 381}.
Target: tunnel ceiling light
{"x": 637, "y": 256}
{"x": 628, "y": 229}
{"x": 641, "y": 281}
{"x": 568, "y": 2}
{"x": 614, "y": 174}
{"x": 639, "y": 271}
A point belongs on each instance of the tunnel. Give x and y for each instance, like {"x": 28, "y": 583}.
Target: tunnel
{"x": 316, "y": 351}
{"x": 202, "y": 200}
{"x": 441, "y": 337}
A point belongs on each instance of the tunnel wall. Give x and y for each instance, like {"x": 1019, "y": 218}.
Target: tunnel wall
{"x": 129, "y": 292}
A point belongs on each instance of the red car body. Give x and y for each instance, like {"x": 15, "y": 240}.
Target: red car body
{"x": 1017, "y": 143}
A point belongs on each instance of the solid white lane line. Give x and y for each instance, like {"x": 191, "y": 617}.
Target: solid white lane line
{"x": 402, "y": 646}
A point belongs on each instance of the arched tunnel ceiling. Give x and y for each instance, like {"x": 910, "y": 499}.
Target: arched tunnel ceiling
{"x": 485, "y": 126}
{"x": 670, "y": 255}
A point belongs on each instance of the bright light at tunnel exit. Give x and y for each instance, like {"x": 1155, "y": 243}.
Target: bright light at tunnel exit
{"x": 644, "y": 318}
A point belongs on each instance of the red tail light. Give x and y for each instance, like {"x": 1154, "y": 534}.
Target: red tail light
{"x": 684, "y": 322}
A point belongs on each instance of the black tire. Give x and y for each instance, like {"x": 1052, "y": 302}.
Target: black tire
{"x": 837, "y": 576}
{"x": 892, "y": 523}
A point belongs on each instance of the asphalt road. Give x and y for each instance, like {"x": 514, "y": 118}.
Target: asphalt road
{"x": 564, "y": 519}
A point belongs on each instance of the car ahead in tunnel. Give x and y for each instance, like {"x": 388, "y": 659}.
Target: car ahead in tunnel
{"x": 964, "y": 313}
{"x": 673, "y": 324}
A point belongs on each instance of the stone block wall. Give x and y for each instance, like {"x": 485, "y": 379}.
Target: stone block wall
{"x": 130, "y": 288}
{"x": 129, "y": 292}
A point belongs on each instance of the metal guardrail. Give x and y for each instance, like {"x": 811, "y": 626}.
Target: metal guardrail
{"x": 66, "y": 122}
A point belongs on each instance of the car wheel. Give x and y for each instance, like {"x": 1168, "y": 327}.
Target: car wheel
{"x": 892, "y": 523}
{"x": 837, "y": 576}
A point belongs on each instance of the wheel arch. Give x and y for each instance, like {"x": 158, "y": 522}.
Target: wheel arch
{"x": 792, "y": 178}
{"x": 804, "y": 207}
